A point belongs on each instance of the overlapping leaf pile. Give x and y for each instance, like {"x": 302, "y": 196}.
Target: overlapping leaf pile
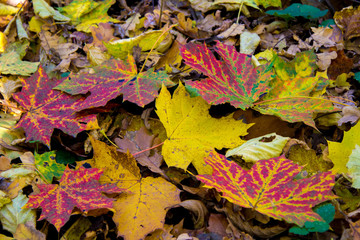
{"x": 117, "y": 120}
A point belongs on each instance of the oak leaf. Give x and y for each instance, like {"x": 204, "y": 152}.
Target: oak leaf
{"x": 269, "y": 187}
{"x": 46, "y": 109}
{"x": 192, "y": 131}
{"x": 234, "y": 80}
{"x": 78, "y": 188}
{"x": 113, "y": 78}
{"x": 138, "y": 211}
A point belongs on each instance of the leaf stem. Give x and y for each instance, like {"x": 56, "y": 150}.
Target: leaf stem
{"x": 158, "y": 145}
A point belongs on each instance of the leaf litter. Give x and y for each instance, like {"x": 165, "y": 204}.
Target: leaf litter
{"x": 179, "y": 119}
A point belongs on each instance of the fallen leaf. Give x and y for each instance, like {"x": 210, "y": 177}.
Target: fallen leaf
{"x": 46, "y": 109}
{"x": 25, "y": 231}
{"x": 354, "y": 167}
{"x": 11, "y": 63}
{"x": 235, "y": 80}
{"x": 44, "y": 10}
{"x": 146, "y": 41}
{"x": 298, "y": 10}
{"x": 85, "y": 14}
{"x": 347, "y": 20}
{"x": 116, "y": 77}
{"x": 13, "y": 214}
{"x": 141, "y": 140}
{"x": 312, "y": 163}
{"x": 138, "y": 212}
{"x": 77, "y": 188}
{"x": 192, "y": 132}
{"x": 269, "y": 188}
{"x": 48, "y": 167}
{"x": 339, "y": 152}
{"x": 264, "y": 147}
{"x": 326, "y": 212}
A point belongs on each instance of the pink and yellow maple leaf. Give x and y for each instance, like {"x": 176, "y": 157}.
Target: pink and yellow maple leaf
{"x": 233, "y": 80}
{"x": 46, "y": 109}
{"x": 269, "y": 187}
{"x": 79, "y": 188}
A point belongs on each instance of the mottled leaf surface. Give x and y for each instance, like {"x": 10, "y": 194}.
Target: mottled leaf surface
{"x": 46, "y": 109}
{"x": 113, "y": 78}
{"x": 11, "y": 63}
{"x": 85, "y": 14}
{"x": 296, "y": 109}
{"x": 233, "y": 80}
{"x": 192, "y": 132}
{"x": 269, "y": 187}
{"x": 77, "y": 188}
{"x": 48, "y": 167}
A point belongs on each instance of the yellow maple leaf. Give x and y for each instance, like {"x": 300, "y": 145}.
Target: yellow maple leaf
{"x": 339, "y": 153}
{"x": 138, "y": 211}
{"x": 192, "y": 132}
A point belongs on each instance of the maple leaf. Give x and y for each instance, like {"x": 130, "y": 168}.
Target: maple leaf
{"x": 46, "y": 109}
{"x": 296, "y": 90}
{"x": 192, "y": 131}
{"x": 78, "y": 188}
{"x": 113, "y": 78}
{"x": 269, "y": 187}
{"x": 138, "y": 212}
{"x": 235, "y": 80}
{"x": 296, "y": 109}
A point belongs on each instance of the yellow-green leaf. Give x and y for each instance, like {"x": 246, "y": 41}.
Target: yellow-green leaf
{"x": 44, "y": 10}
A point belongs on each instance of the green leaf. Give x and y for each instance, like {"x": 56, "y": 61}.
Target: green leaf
{"x": 85, "y": 14}
{"x": 48, "y": 167}
{"x": 12, "y": 214}
{"x": 298, "y": 10}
